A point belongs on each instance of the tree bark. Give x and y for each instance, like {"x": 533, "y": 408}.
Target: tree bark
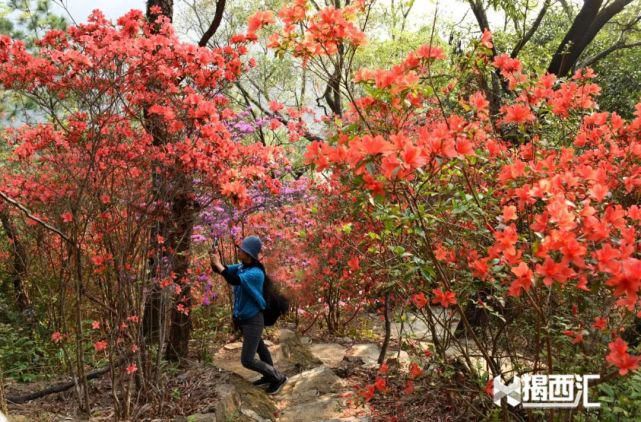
{"x": 183, "y": 215}
{"x": 584, "y": 29}
{"x": 58, "y": 388}
{"x": 154, "y": 309}
{"x": 215, "y": 24}
{"x": 176, "y": 225}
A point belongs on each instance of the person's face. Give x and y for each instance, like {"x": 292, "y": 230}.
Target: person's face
{"x": 244, "y": 257}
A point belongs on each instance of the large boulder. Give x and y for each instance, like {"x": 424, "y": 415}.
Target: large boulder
{"x": 322, "y": 408}
{"x": 237, "y": 400}
{"x": 295, "y": 353}
{"x": 312, "y": 383}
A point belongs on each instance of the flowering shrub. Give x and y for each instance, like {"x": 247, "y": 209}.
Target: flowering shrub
{"x": 528, "y": 216}
{"x": 87, "y": 171}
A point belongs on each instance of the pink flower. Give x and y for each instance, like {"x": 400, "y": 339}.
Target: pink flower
{"x": 486, "y": 38}
{"x": 95, "y": 325}
{"x": 56, "y": 337}
{"x": 67, "y": 217}
{"x": 99, "y": 346}
{"x": 132, "y": 368}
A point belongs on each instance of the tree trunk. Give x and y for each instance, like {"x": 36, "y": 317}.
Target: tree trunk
{"x": 154, "y": 311}
{"x": 18, "y": 269}
{"x": 183, "y": 214}
{"x": 584, "y": 29}
{"x": 176, "y": 226}
{"x": 388, "y": 330}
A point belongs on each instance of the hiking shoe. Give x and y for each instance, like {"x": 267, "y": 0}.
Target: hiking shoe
{"x": 275, "y": 387}
{"x": 262, "y": 382}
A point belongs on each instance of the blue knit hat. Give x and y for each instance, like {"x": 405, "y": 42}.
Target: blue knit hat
{"x": 252, "y": 246}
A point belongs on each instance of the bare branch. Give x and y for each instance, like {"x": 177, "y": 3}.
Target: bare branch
{"x": 30, "y": 215}
{"x": 215, "y": 24}
{"x": 535, "y": 26}
{"x": 601, "y": 55}
{"x": 310, "y": 136}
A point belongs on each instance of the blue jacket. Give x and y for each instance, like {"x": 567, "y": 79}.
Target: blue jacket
{"x": 248, "y": 292}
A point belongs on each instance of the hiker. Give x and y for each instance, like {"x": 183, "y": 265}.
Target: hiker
{"x": 247, "y": 279}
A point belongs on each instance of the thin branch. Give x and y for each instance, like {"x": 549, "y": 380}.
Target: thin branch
{"x": 278, "y": 116}
{"x": 535, "y": 26}
{"x": 215, "y": 24}
{"x": 30, "y": 215}
{"x": 59, "y": 388}
{"x": 618, "y": 46}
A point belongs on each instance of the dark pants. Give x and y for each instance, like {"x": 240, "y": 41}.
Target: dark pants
{"x": 252, "y": 330}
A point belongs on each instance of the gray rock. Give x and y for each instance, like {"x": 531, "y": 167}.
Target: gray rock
{"x": 298, "y": 355}
{"x": 331, "y": 354}
{"x": 285, "y": 334}
{"x": 367, "y": 351}
{"x": 322, "y": 408}
{"x": 312, "y": 383}
{"x": 241, "y": 401}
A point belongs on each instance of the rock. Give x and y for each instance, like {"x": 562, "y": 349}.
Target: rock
{"x": 331, "y": 354}
{"x": 368, "y": 352}
{"x": 241, "y": 401}
{"x": 312, "y": 383}
{"x": 354, "y": 359}
{"x": 14, "y": 418}
{"x": 322, "y": 408}
{"x": 401, "y": 359}
{"x": 348, "y": 366}
{"x": 416, "y": 327}
{"x": 299, "y": 357}
{"x": 253, "y": 415}
{"x": 234, "y": 346}
{"x": 285, "y": 334}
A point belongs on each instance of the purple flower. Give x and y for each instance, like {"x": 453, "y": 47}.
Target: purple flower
{"x": 198, "y": 238}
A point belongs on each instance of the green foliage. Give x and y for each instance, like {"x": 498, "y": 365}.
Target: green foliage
{"x": 386, "y": 52}
{"x": 21, "y": 357}
{"x": 620, "y": 82}
{"x": 24, "y": 355}
{"x": 621, "y": 399}
{"x": 211, "y": 325}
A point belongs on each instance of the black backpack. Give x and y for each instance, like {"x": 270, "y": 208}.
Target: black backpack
{"x": 277, "y": 303}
